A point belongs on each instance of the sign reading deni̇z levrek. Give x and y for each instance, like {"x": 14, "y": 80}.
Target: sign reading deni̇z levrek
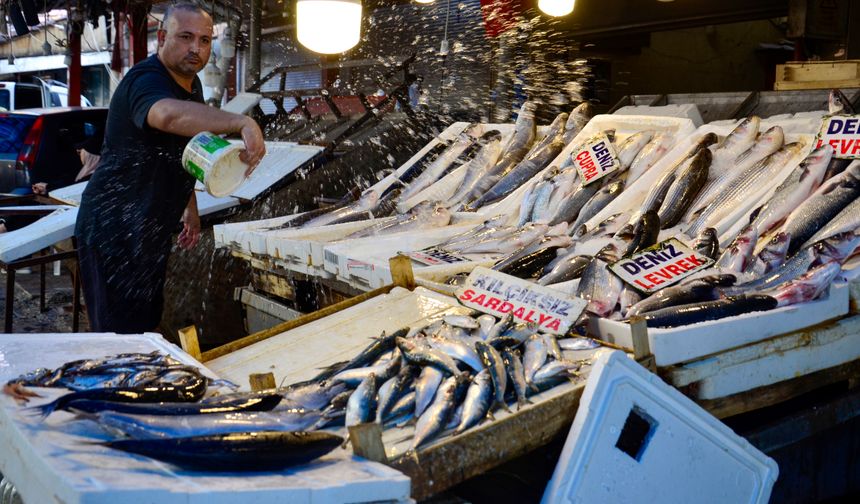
{"x": 843, "y": 133}
{"x": 660, "y": 266}
{"x": 499, "y": 294}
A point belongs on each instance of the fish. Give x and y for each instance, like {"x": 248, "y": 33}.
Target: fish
{"x": 486, "y": 323}
{"x": 552, "y": 347}
{"x": 355, "y": 211}
{"x": 525, "y": 131}
{"x": 528, "y": 202}
{"x": 532, "y": 265}
{"x": 424, "y": 355}
{"x": 556, "y": 368}
{"x": 686, "y": 185}
{"x": 383, "y": 371}
{"x": 598, "y": 285}
{"x": 793, "y": 191}
{"x": 567, "y": 267}
{"x": 492, "y": 360}
{"x": 576, "y": 343}
{"x": 398, "y": 386}
{"x": 554, "y": 131}
{"x": 220, "y": 404}
{"x": 771, "y": 256}
{"x": 838, "y": 103}
{"x": 628, "y": 298}
{"x": 426, "y": 387}
{"x": 655, "y": 197}
{"x": 534, "y": 357}
{"x": 741, "y": 138}
{"x": 598, "y": 202}
{"x": 250, "y": 451}
{"x": 838, "y": 247}
{"x": 607, "y": 227}
{"x": 478, "y": 401}
{"x": 791, "y": 269}
{"x": 509, "y": 243}
{"x": 846, "y": 220}
{"x": 440, "y": 165}
{"x": 708, "y": 244}
{"x": 190, "y": 392}
{"x": 516, "y": 373}
{"x": 458, "y": 350}
{"x": 436, "y": 416}
{"x": 577, "y": 120}
{"x": 414, "y": 170}
{"x": 384, "y": 343}
{"x": 521, "y": 173}
{"x": 676, "y": 316}
{"x": 738, "y": 256}
{"x": 435, "y": 215}
{"x": 649, "y": 155}
{"x": 688, "y": 292}
{"x": 723, "y": 172}
{"x": 161, "y": 426}
{"x": 569, "y": 209}
{"x": 822, "y": 206}
{"x": 486, "y": 158}
{"x": 313, "y": 394}
{"x": 464, "y": 321}
{"x": 554, "y": 241}
{"x": 548, "y": 202}
{"x": 744, "y": 190}
{"x": 630, "y": 148}
{"x": 361, "y": 407}
{"x": 501, "y": 327}
{"x": 808, "y": 286}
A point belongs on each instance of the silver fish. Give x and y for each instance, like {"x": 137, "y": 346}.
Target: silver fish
{"x": 808, "y": 286}
{"x": 738, "y": 256}
{"x": 368, "y": 200}
{"x": 521, "y": 173}
{"x": 436, "y": 417}
{"x": 554, "y": 369}
{"x": 570, "y": 208}
{"x": 686, "y": 185}
{"x": 464, "y": 321}
{"x": 393, "y": 389}
{"x": 771, "y": 256}
{"x": 486, "y": 323}
{"x": 599, "y": 286}
{"x": 492, "y": 360}
{"x": 566, "y": 267}
{"x": 423, "y": 355}
{"x": 479, "y": 399}
{"x": 478, "y": 167}
{"x": 438, "y": 167}
{"x": 546, "y": 242}
{"x": 598, "y": 202}
{"x": 361, "y": 407}
{"x": 458, "y": 350}
{"x": 649, "y": 155}
{"x": 846, "y": 220}
{"x": 425, "y": 388}
{"x": 740, "y": 139}
{"x": 658, "y": 191}
{"x": 577, "y": 120}
{"x": 708, "y": 244}
{"x": 794, "y": 190}
{"x": 535, "y": 356}
{"x": 631, "y": 147}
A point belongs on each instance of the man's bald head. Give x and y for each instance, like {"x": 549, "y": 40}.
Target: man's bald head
{"x": 185, "y": 39}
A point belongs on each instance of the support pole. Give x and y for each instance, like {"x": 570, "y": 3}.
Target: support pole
{"x": 254, "y": 35}
{"x": 76, "y": 27}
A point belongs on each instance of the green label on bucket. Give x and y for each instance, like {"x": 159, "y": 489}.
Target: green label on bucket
{"x": 195, "y": 170}
{"x": 214, "y": 143}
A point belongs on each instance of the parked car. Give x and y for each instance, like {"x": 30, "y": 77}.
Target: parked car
{"x": 22, "y": 95}
{"x": 41, "y": 145}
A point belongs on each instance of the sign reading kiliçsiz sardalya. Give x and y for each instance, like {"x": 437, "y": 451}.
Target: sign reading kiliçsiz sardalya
{"x": 498, "y": 294}
{"x": 843, "y": 133}
{"x": 660, "y": 266}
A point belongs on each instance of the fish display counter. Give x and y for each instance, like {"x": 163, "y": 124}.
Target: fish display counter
{"x": 75, "y": 458}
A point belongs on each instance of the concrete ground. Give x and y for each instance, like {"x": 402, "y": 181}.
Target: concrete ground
{"x": 27, "y": 317}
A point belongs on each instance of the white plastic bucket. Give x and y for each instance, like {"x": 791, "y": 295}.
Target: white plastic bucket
{"x": 214, "y": 162}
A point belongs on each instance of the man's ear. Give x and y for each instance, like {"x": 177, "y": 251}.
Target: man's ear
{"x": 161, "y": 34}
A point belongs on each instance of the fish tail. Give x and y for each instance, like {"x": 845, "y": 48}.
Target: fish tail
{"x": 412, "y": 454}
{"x": 504, "y": 406}
{"x": 44, "y": 410}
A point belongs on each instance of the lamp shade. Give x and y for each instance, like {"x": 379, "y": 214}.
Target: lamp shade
{"x": 425, "y": 1}
{"x": 328, "y": 26}
{"x": 556, "y": 7}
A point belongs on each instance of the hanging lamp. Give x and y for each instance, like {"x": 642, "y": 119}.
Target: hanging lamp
{"x": 328, "y": 26}
{"x": 556, "y": 8}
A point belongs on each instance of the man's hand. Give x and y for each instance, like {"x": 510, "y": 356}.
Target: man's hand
{"x": 40, "y": 188}
{"x": 255, "y": 147}
{"x": 190, "y": 234}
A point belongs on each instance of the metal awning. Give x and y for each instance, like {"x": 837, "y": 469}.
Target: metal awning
{"x": 40, "y": 63}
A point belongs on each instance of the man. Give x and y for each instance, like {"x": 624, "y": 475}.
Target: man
{"x": 139, "y": 191}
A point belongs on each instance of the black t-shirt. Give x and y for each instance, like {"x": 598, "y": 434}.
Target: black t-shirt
{"x": 134, "y": 201}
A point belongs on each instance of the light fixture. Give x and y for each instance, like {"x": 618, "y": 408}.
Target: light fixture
{"x": 556, "y": 8}
{"x": 228, "y": 45}
{"x": 425, "y": 1}
{"x": 328, "y": 26}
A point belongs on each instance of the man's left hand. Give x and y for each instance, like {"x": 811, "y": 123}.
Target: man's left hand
{"x": 190, "y": 234}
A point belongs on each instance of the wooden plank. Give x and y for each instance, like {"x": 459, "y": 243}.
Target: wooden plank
{"x": 401, "y": 271}
{"x": 273, "y": 284}
{"x": 189, "y": 342}
{"x": 366, "y": 440}
{"x": 449, "y": 462}
{"x": 292, "y": 324}
{"x": 769, "y": 395}
{"x": 840, "y": 84}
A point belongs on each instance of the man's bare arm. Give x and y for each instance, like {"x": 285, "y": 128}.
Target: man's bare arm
{"x": 189, "y": 118}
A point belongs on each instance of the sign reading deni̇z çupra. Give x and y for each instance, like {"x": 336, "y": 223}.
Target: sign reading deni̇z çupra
{"x": 660, "y": 266}
{"x": 843, "y": 133}
{"x": 499, "y": 294}
{"x": 595, "y": 159}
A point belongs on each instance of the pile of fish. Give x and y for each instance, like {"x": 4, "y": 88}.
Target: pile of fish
{"x": 157, "y": 406}
{"x": 447, "y": 376}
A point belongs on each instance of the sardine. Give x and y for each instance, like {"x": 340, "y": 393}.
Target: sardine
{"x": 395, "y": 388}
{"x": 312, "y": 395}
{"x": 535, "y": 356}
{"x": 425, "y": 388}
{"x": 423, "y": 355}
{"x": 384, "y": 343}
{"x": 361, "y": 407}
{"x": 479, "y": 399}
{"x": 516, "y": 372}
{"x": 492, "y": 360}
{"x": 457, "y": 350}
{"x": 436, "y": 417}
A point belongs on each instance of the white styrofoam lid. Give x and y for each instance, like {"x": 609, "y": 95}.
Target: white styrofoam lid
{"x": 636, "y": 439}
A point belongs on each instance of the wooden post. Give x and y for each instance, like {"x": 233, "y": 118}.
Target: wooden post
{"x": 641, "y": 346}
{"x": 188, "y": 341}
{"x": 261, "y": 381}
{"x": 401, "y": 271}
{"x": 366, "y": 442}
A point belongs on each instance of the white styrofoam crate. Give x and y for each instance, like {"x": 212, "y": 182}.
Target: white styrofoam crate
{"x": 56, "y": 461}
{"x": 636, "y": 439}
{"x": 50, "y": 229}
{"x": 306, "y": 245}
{"x": 684, "y": 110}
{"x": 771, "y": 361}
{"x": 686, "y": 343}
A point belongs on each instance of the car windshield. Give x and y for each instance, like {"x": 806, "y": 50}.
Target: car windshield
{"x": 13, "y": 131}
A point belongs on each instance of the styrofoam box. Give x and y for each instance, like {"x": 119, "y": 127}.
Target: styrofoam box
{"x": 233, "y": 234}
{"x": 56, "y": 460}
{"x": 684, "y": 110}
{"x": 681, "y": 344}
{"x": 636, "y": 439}
{"x": 50, "y": 229}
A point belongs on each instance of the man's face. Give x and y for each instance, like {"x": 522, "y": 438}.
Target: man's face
{"x": 185, "y": 42}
